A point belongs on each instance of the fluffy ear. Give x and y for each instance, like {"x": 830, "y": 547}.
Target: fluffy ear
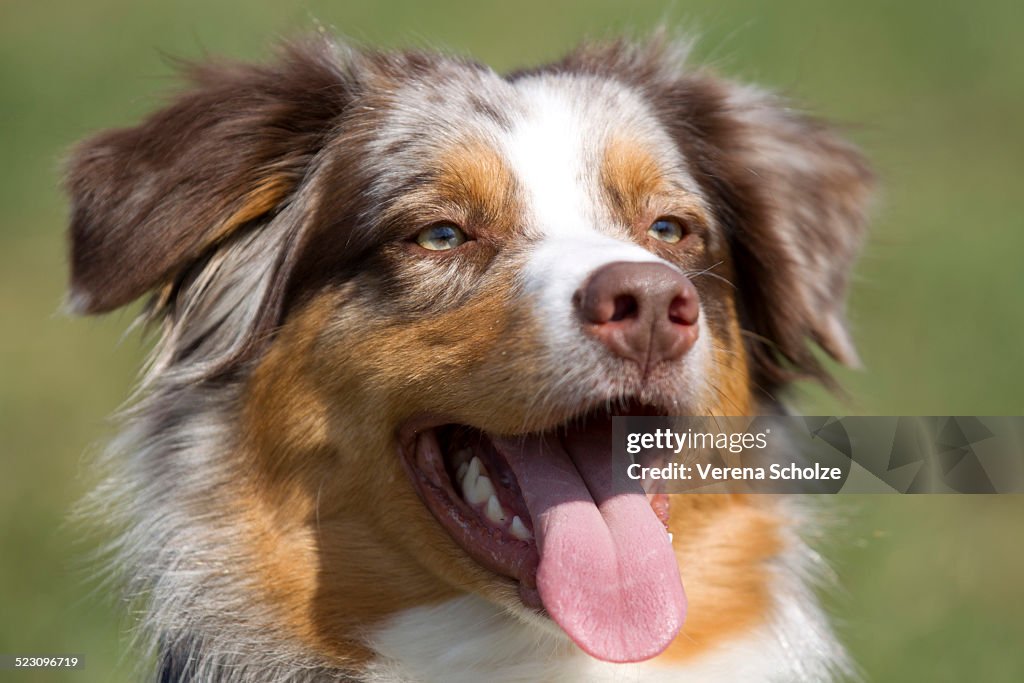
{"x": 148, "y": 200}
{"x": 790, "y": 192}
{"x": 794, "y": 198}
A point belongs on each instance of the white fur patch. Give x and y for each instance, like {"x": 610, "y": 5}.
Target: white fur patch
{"x": 467, "y": 639}
{"x": 546, "y": 151}
{"x": 554, "y": 149}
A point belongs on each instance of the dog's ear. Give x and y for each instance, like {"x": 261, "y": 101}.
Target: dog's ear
{"x": 149, "y": 200}
{"x": 791, "y": 194}
{"x": 793, "y": 197}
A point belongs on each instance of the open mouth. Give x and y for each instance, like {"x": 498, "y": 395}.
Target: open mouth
{"x": 584, "y": 542}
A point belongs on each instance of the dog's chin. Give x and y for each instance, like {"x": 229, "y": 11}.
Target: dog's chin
{"x": 545, "y": 509}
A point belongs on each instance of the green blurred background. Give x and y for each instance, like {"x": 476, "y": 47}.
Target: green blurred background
{"x": 934, "y": 91}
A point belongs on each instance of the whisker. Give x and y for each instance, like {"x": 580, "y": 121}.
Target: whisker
{"x": 708, "y": 272}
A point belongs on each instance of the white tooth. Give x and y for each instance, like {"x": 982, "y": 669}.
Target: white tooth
{"x": 519, "y": 529}
{"x": 474, "y": 469}
{"x": 460, "y": 473}
{"x": 494, "y": 510}
{"x": 469, "y": 480}
{"x": 670, "y": 538}
{"x": 482, "y": 490}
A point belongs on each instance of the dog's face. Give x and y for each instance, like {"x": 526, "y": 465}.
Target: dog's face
{"x": 429, "y": 286}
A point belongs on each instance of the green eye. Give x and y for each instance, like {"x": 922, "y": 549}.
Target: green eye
{"x": 440, "y": 237}
{"x": 667, "y": 230}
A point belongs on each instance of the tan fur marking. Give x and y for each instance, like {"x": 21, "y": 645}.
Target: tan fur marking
{"x": 639, "y": 192}
{"x": 472, "y": 186}
{"x": 729, "y": 373}
{"x": 723, "y": 543}
{"x": 478, "y": 175}
{"x": 630, "y": 176}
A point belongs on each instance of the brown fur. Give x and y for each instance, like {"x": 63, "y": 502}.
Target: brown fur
{"x": 148, "y": 200}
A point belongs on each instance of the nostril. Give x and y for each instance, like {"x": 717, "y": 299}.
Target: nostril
{"x": 683, "y": 310}
{"x": 625, "y": 306}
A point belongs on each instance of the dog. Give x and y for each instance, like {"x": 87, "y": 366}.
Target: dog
{"x": 397, "y": 298}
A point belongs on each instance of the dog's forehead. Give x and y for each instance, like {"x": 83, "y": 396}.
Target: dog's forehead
{"x": 559, "y": 145}
{"x": 553, "y": 133}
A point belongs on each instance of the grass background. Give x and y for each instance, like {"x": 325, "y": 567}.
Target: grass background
{"x": 934, "y": 585}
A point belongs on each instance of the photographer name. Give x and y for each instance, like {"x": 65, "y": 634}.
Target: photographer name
{"x": 711, "y": 473}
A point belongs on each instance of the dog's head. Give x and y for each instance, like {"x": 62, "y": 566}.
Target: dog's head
{"x": 424, "y": 287}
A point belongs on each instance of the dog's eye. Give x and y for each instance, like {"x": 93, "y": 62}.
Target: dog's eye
{"x": 667, "y": 230}
{"x": 440, "y": 237}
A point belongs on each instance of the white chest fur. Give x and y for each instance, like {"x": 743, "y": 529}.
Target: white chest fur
{"x": 467, "y": 640}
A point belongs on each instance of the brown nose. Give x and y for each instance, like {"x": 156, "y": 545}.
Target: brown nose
{"x": 645, "y": 312}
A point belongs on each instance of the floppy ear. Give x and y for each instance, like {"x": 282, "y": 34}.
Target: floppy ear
{"x": 147, "y": 201}
{"x": 791, "y": 194}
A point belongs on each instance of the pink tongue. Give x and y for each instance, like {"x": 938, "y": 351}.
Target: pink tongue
{"x": 608, "y": 575}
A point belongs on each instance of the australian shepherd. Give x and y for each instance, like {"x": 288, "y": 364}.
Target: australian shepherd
{"x": 397, "y": 298}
